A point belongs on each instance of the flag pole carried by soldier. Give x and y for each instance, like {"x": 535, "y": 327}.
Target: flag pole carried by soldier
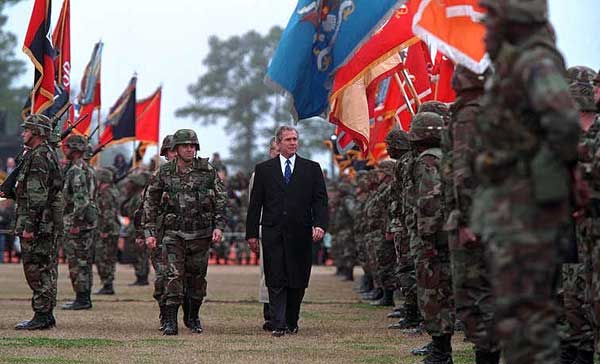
{"x": 529, "y": 131}
{"x": 194, "y": 216}
{"x": 38, "y": 189}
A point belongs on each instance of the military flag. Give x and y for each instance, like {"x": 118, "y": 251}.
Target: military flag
{"x": 321, "y": 36}
{"x": 147, "y": 113}
{"x": 38, "y": 48}
{"x": 61, "y": 38}
{"x": 442, "y": 72}
{"x": 89, "y": 96}
{"x": 454, "y": 28}
{"x": 120, "y": 124}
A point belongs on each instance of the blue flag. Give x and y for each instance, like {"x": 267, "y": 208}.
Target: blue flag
{"x": 321, "y": 36}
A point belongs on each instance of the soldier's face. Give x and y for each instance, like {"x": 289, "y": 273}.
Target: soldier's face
{"x": 171, "y": 154}
{"x": 273, "y": 150}
{"x": 186, "y": 152}
{"x": 597, "y": 92}
{"x": 288, "y": 144}
{"x": 27, "y": 136}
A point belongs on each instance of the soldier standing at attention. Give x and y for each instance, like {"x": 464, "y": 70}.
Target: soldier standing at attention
{"x": 194, "y": 216}
{"x": 38, "y": 188}
{"x": 108, "y": 230}
{"x": 529, "y": 130}
{"x": 81, "y": 217}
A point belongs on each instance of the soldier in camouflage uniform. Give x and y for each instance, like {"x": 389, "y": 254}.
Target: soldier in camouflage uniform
{"x": 80, "y": 215}
{"x": 193, "y": 217}
{"x": 470, "y": 273}
{"x": 106, "y": 246}
{"x": 382, "y": 249}
{"x": 344, "y": 221}
{"x": 37, "y": 190}
{"x": 429, "y": 246}
{"x": 528, "y": 132}
{"x": 368, "y": 232}
{"x": 135, "y": 186}
{"x": 361, "y": 192}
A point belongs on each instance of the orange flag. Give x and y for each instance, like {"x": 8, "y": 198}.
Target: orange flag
{"x": 147, "y": 112}
{"x": 454, "y": 28}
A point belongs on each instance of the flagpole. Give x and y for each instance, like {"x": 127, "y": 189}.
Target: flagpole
{"x": 157, "y": 157}
{"x": 134, "y": 159}
{"x": 404, "y": 95}
{"x": 409, "y": 84}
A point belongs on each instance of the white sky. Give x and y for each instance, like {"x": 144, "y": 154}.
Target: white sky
{"x": 165, "y": 43}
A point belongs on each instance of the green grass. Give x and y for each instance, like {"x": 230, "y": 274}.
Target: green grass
{"x": 47, "y": 342}
{"x": 43, "y": 360}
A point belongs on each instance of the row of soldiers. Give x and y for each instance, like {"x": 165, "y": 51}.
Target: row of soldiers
{"x": 488, "y": 219}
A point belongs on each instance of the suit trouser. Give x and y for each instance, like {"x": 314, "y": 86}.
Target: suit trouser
{"x": 285, "y": 306}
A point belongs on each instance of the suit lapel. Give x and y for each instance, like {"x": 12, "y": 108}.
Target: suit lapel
{"x": 278, "y": 175}
{"x": 296, "y": 174}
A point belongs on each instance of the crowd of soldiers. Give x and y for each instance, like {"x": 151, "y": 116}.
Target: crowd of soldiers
{"x": 487, "y": 220}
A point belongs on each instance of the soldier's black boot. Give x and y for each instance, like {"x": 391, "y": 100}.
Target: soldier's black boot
{"x": 40, "y": 321}
{"x": 170, "y": 327}
{"x": 193, "y": 322}
{"x": 487, "y": 357}
{"x": 162, "y": 316}
{"x": 82, "y": 302}
{"x": 375, "y": 294}
{"x": 412, "y": 318}
{"x": 107, "y": 288}
{"x": 584, "y": 357}
{"x": 348, "y": 275}
{"x": 423, "y": 350}
{"x": 366, "y": 284}
{"x": 186, "y": 311}
{"x": 52, "y": 319}
{"x": 568, "y": 354}
{"x": 386, "y": 301}
{"x": 441, "y": 351}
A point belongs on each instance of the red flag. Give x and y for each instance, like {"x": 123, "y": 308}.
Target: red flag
{"x": 454, "y": 27}
{"x": 120, "y": 124}
{"x": 89, "y": 95}
{"x": 442, "y": 74}
{"x": 147, "y": 113}
{"x": 394, "y": 36}
{"x": 61, "y": 38}
{"x": 39, "y": 49}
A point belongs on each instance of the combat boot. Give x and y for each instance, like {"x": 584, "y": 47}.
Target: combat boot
{"x": 170, "y": 327}
{"x": 441, "y": 351}
{"x": 375, "y": 294}
{"x": 423, "y": 350}
{"x": 40, "y": 321}
{"x": 162, "y": 316}
{"x": 348, "y": 275}
{"x": 412, "y": 319}
{"x": 386, "y": 301}
{"x": 584, "y": 357}
{"x": 106, "y": 289}
{"x": 397, "y": 313}
{"x": 82, "y": 302}
{"x": 193, "y": 322}
{"x": 487, "y": 357}
{"x": 568, "y": 354}
{"x": 366, "y": 284}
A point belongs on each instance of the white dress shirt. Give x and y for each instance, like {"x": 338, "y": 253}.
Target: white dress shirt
{"x": 282, "y": 161}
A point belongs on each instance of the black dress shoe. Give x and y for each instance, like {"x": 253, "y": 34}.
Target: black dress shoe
{"x": 268, "y": 326}
{"x": 292, "y": 331}
{"x": 278, "y": 333}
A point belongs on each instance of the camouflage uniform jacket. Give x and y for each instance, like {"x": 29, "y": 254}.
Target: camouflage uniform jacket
{"x": 38, "y": 188}
{"x": 446, "y": 170}
{"x": 409, "y": 196}
{"x": 396, "y": 225}
{"x": 196, "y": 203}
{"x": 430, "y": 217}
{"x": 79, "y": 192}
{"x": 344, "y": 216}
{"x": 462, "y": 180}
{"x": 107, "y": 201}
{"x": 376, "y": 209}
{"x": 129, "y": 209}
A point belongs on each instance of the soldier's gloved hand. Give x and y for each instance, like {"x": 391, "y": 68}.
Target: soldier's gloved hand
{"x": 151, "y": 242}
{"x": 217, "y": 235}
{"x": 253, "y": 243}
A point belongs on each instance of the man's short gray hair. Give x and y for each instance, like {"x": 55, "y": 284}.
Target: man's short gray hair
{"x": 281, "y": 129}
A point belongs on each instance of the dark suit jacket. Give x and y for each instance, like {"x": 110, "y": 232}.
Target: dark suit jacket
{"x": 288, "y": 214}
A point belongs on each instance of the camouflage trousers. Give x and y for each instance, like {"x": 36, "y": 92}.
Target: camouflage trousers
{"x": 385, "y": 255}
{"x": 361, "y": 253}
{"x": 336, "y": 250}
{"x": 158, "y": 257}
{"x": 349, "y": 250}
{"x": 40, "y": 265}
{"x": 405, "y": 269}
{"x": 187, "y": 265}
{"x": 141, "y": 266}
{"x": 372, "y": 239}
{"x": 434, "y": 284}
{"x": 79, "y": 253}
{"x": 577, "y": 328}
{"x": 242, "y": 252}
{"x": 591, "y": 261}
{"x": 473, "y": 292}
{"x": 105, "y": 257}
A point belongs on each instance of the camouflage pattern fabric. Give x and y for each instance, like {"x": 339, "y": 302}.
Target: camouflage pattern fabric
{"x": 106, "y": 246}
{"x": 38, "y": 188}
{"x": 141, "y": 266}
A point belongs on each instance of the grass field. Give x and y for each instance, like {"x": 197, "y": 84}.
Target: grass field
{"x": 335, "y": 327}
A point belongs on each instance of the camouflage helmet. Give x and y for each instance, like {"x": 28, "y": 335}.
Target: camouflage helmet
{"x": 89, "y": 152}
{"x": 464, "y": 79}
{"x": 139, "y": 179}
{"x": 185, "y": 136}
{"x": 397, "y": 143}
{"x": 583, "y": 94}
{"x": 362, "y": 180}
{"x": 580, "y": 74}
{"x": 77, "y": 142}
{"x": 426, "y": 126}
{"x": 104, "y": 175}
{"x": 387, "y": 167}
{"x": 167, "y": 144}
{"x": 435, "y": 107}
{"x": 518, "y": 11}
{"x": 54, "y": 137}
{"x": 39, "y": 124}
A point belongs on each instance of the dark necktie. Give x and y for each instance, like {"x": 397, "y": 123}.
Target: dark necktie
{"x": 288, "y": 171}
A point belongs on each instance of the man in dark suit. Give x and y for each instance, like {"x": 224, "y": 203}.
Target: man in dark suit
{"x": 291, "y": 192}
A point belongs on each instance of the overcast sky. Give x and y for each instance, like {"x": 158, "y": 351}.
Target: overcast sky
{"x": 165, "y": 43}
